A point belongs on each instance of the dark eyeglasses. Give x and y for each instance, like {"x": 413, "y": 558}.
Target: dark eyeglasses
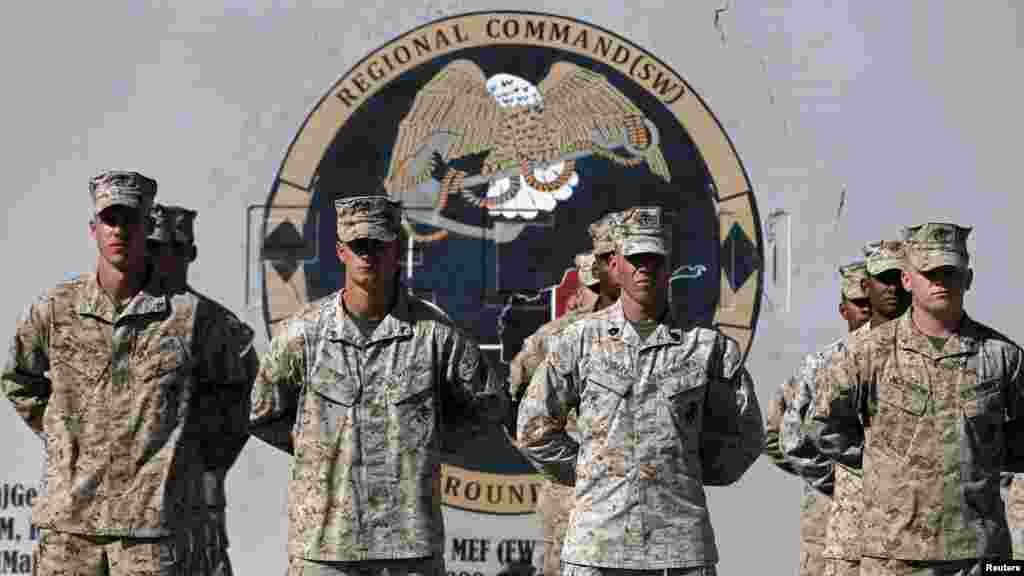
{"x": 365, "y": 246}
{"x": 119, "y": 216}
{"x": 860, "y": 302}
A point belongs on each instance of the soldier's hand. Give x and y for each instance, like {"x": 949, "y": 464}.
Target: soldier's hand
{"x": 438, "y": 167}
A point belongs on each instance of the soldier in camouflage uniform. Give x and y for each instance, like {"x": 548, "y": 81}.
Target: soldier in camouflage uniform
{"x": 889, "y": 301}
{"x": 359, "y": 387}
{"x": 933, "y": 399}
{"x": 815, "y": 503}
{"x": 555, "y": 501}
{"x": 662, "y": 412}
{"x": 222, "y": 427}
{"x": 110, "y": 367}
{"x": 1013, "y": 495}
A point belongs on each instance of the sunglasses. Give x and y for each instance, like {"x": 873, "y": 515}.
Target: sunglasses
{"x": 364, "y": 246}
{"x": 119, "y": 217}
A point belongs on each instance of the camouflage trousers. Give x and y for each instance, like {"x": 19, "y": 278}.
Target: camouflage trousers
{"x": 67, "y": 554}
{"x": 814, "y": 515}
{"x": 406, "y": 567}
{"x": 554, "y": 504}
{"x": 840, "y": 567}
{"x": 208, "y": 544}
{"x": 870, "y": 566}
{"x": 580, "y": 570}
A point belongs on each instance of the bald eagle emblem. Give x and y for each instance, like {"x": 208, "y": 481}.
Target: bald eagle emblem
{"x": 507, "y": 146}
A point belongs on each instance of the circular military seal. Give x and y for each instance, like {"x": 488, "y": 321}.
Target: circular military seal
{"x": 504, "y": 135}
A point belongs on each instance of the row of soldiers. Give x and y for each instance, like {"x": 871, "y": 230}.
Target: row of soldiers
{"x": 905, "y": 430}
{"x": 144, "y": 391}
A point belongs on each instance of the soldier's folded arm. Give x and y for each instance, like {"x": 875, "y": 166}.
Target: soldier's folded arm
{"x": 1014, "y": 436}
{"x": 733, "y": 435}
{"x": 773, "y": 423}
{"x": 839, "y": 411}
{"x": 229, "y": 367}
{"x": 522, "y": 366}
{"x": 278, "y": 384}
{"x": 552, "y": 394}
{"x": 24, "y": 379}
{"x": 798, "y": 449}
{"x": 475, "y": 396}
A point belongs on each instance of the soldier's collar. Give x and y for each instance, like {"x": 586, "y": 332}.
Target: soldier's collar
{"x": 397, "y": 323}
{"x": 964, "y": 341}
{"x": 619, "y": 327}
{"x": 93, "y": 300}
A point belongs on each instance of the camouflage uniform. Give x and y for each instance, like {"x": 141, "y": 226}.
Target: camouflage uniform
{"x": 112, "y": 392}
{"x": 555, "y": 501}
{"x": 843, "y": 534}
{"x": 1013, "y": 495}
{"x": 363, "y": 418}
{"x": 935, "y": 426}
{"x": 789, "y": 450}
{"x": 657, "y": 421}
{"x": 221, "y": 426}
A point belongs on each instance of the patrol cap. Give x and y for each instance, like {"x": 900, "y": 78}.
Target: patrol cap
{"x": 883, "y": 255}
{"x": 850, "y": 276}
{"x": 376, "y": 217}
{"x": 642, "y": 230}
{"x": 585, "y": 262}
{"x": 936, "y": 244}
{"x": 172, "y": 224}
{"x": 602, "y": 233}
{"x": 121, "y": 187}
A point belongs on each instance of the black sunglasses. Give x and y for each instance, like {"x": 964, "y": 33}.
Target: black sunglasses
{"x": 364, "y": 246}
{"x": 119, "y": 216}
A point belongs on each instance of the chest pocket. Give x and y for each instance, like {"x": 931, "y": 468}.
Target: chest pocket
{"x": 332, "y": 401}
{"x": 412, "y": 407}
{"x": 169, "y": 362}
{"x": 77, "y": 358}
{"x": 602, "y": 401}
{"x": 984, "y": 414}
{"x": 76, "y": 374}
{"x": 902, "y": 406}
{"x": 683, "y": 393}
{"x": 169, "y": 365}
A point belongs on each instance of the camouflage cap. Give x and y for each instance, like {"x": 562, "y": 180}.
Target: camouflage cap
{"x": 585, "y": 263}
{"x": 936, "y": 244}
{"x": 376, "y": 217}
{"x": 883, "y": 255}
{"x": 851, "y": 275}
{"x": 120, "y": 187}
{"x": 642, "y": 230}
{"x": 602, "y": 233}
{"x": 172, "y": 224}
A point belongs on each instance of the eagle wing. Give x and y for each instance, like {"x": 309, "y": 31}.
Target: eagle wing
{"x": 578, "y": 101}
{"x": 453, "y": 113}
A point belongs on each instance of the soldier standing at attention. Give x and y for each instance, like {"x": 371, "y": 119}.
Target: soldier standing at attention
{"x": 933, "y": 399}
{"x": 359, "y": 387}
{"x": 1013, "y": 494}
{"x": 221, "y": 424}
{"x": 555, "y": 501}
{"x": 855, "y": 309}
{"x": 885, "y": 262}
{"x": 108, "y": 366}
{"x": 662, "y": 412}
